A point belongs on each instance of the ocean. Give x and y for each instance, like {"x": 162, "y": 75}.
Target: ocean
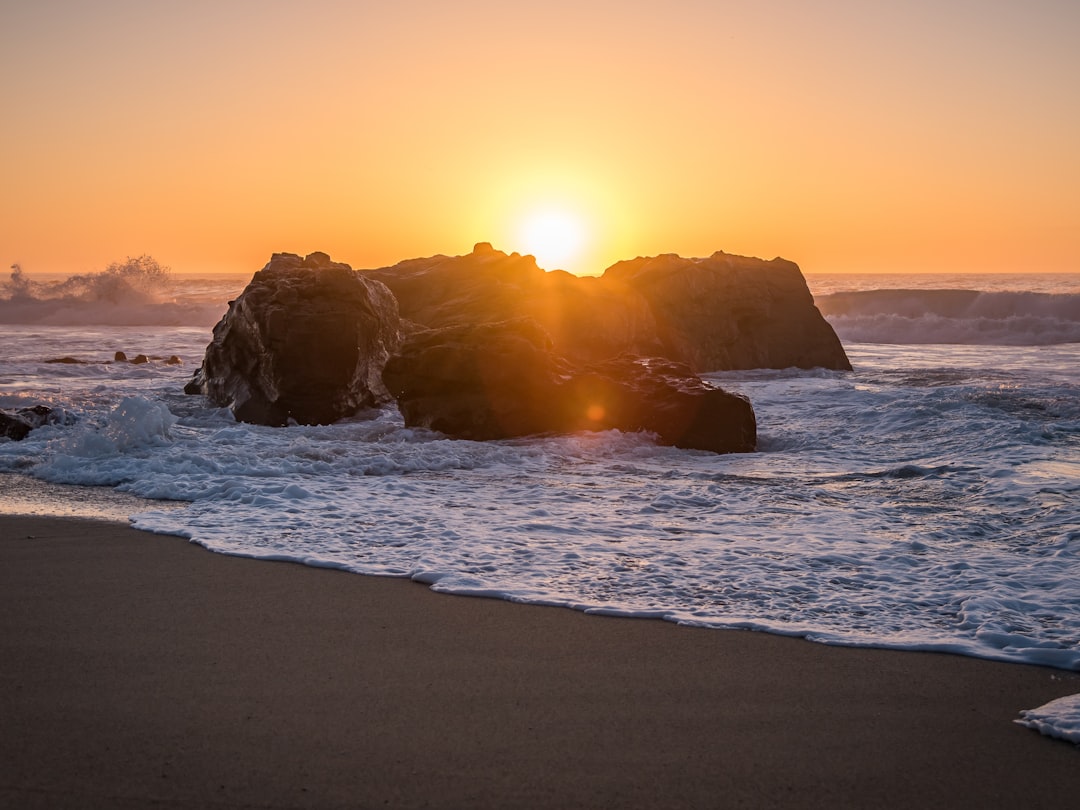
{"x": 927, "y": 500}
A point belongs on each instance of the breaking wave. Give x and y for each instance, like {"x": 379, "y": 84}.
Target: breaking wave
{"x": 135, "y": 292}
{"x": 954, "y": 316}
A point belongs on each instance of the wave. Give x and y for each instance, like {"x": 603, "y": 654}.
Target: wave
{"x": 954, "y": 316}
{"x": 136, "y": 292}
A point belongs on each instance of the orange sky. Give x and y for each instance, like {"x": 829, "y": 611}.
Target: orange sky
{"x": 846, "y": 135}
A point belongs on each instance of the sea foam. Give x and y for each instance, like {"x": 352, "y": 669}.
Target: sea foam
{"x": 1059, "y": 718}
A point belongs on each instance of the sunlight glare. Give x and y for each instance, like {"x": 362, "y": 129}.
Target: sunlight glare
{"x": 555, "y": 237}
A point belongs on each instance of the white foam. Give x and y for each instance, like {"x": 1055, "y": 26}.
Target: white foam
{"x": 1059, "y": 718}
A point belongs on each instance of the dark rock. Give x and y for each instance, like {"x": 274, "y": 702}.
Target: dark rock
{"x": 68, "y": 361}
{"x": 120, "y": 357}
{"x": 733, "y": 312}
{"x": 497, "y": 347}
{"x": 14, "y": 428}
{"x": 139, "y": 359}
{"x": 306, "y": 340}
{"x": 18, "y": 425}
{"x": 502, "y": 380}
{"x": 173, "y": 360}
{"x": 659, "y": 396}
{"x": 480, "y": 381}
{"x": 197, "y": 383}
{"x": 719, "y": 313}
{"x": 588, "y": 319}
{"x": 38, "y": 414}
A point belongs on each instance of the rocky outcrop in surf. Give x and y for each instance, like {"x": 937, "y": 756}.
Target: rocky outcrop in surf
{"x": 306, "y": 341}
{"x": 502, "y": 380}
{"x": 495, "y": 347}
{"x": 718, "y": 313}
{"x": 729, "y": 312}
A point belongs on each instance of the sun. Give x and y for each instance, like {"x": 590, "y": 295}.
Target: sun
{"x": 556, "y": 237}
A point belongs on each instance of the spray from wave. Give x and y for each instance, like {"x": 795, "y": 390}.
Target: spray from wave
{"x": 954, "y": 316}
{"x": 136, "y": 292}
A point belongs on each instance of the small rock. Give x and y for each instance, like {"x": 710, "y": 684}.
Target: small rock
{"x": 70, "y": 361}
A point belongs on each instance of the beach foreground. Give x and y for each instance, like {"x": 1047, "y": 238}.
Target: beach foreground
{"x": 143, "y": 671}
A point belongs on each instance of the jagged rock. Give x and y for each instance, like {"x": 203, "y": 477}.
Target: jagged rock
{"x": 306, "y": 340}
{"x": 719, "y": 313}
{"x": 502, "y": 380}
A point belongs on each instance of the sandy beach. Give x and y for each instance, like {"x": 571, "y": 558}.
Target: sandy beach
{"x": 143, "y": 671}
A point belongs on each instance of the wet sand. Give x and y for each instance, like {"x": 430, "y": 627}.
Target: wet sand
{"x": 143, "y": 671}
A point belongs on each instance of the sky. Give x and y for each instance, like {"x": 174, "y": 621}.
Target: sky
{"x": 844, "y": 135}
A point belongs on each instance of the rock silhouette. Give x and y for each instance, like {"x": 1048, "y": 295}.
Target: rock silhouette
{"x": 488, "y": 345}
{"x": 714, "y": 314}
{"x": 306, "y": 340}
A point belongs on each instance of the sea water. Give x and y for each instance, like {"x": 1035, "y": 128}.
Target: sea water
{"x": 927, "y": 500}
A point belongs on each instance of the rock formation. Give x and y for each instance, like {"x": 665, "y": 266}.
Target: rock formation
{"x": 732, "y": 312}
{"x": 495, "y": 347}
{"x": 718, "y": 313}
{"x": 481, "y": 381}
{"x": 500, "y": 380}
{"x": 306, "y": 340}
{"x": 664, "y": 397}
{"x": 586, "y": 318}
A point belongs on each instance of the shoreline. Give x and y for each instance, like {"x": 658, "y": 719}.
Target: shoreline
{"x": 25, "y": 496}
{"x": 143, "y": 670}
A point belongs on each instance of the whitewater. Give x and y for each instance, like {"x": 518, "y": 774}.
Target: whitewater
{"x": 928, "y": 500}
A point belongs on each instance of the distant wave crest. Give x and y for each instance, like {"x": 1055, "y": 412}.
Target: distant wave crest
{"x": 136, "y": 292}
{"x": 954, "y": 316}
